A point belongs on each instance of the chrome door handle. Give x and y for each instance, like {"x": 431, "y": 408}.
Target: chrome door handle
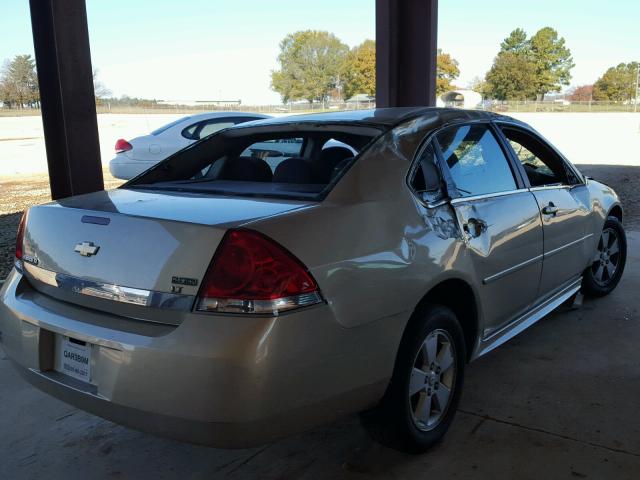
{"x": 475, "y": 227}
{"x": 550, "y": 209}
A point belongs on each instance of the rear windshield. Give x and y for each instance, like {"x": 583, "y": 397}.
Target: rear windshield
{"x": 158, "y": 131}
{"x": 262, "y": 162}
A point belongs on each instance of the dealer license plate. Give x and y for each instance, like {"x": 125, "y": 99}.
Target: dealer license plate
{"x": 74, "y": 358}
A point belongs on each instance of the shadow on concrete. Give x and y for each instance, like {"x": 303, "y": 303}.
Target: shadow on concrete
{"x": 559, "y": 400}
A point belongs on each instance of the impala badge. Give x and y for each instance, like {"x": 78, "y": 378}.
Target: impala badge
{"x": 86, "y": 249}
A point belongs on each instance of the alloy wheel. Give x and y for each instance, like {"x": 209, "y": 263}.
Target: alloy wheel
{"x": 432, "y": 380}
{"x": 607, "y": 257}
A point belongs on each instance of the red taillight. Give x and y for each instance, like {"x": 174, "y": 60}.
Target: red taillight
{"x": 20, "y": 237}
{"x": 122, "y": 146}
{"x": 251, "y": 273}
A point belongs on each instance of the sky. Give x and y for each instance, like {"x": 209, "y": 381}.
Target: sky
{"x": 226, "y": 49}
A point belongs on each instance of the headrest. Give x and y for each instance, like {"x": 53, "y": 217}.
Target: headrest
{"x": 247, "y": 169}
{"x": 293, "y": 170}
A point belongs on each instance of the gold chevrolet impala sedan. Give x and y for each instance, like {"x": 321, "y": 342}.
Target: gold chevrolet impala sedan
{"x": 284, "y": 272}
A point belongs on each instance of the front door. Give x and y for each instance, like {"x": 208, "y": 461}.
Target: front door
{"x": 564, "y": 204}
{"x": 500, "y": 219}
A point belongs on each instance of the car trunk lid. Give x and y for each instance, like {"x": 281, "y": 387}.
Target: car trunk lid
{"x": 121, "y": 244}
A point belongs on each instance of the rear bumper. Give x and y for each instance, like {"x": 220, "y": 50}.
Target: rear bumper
{"x": 126, "y": 168}
{"x": 225, "y": 381}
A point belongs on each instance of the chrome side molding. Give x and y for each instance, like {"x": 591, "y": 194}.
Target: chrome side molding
{"x": 550, "y": 253}
{"x": 544, "y": 256}
{"x": 515, "y": 268}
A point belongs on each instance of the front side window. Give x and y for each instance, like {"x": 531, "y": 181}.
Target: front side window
{"x": 477, "y": 163}
{"x": 541, "y": 164}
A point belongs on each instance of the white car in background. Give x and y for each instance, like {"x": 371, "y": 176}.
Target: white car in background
{"x": 137, "y": 155}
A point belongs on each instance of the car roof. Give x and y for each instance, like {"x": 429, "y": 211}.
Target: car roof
{"x": 222, "y": 114}
{"x": 382, "y": 117}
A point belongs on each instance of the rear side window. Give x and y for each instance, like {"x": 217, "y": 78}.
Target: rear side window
{"x": 210, "y": 128}
{"x": 204, "y": 129}
{"x": 477, "y": 163}
{"x": 426, "y": 181}
{"x": 163, "y": 128}
{"x": 190, "y": 132}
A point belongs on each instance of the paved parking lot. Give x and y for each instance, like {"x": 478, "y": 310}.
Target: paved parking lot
{"x": 611, "y": 138}
{"x": 559, "y": 401}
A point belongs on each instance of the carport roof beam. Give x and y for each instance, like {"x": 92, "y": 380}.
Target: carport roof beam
{"x": 406, "y": 36}
{"x": 406, "y": 51}
{"x": 65, "y": 77}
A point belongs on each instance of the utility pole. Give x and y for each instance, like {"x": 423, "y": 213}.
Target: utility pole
{"x": 635, "y": 102}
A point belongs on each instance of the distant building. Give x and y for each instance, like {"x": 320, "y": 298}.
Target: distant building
{"x": 460, "y": 99}
{"x": 362, "y": 98}
{"x": 197, "y": 103}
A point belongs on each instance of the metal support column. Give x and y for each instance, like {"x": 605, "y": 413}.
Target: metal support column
{"x": 65, "y": 77}
{"x": 406, "y": 51}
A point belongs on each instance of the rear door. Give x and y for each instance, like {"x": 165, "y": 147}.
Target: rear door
{"x": 564, "y": 203}
{"x": 500, "y": 218}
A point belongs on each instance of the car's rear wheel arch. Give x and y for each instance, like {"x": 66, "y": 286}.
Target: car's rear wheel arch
{"x": 457, "y": 295}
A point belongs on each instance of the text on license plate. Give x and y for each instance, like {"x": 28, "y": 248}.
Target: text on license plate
{"x": 74, "y": 358}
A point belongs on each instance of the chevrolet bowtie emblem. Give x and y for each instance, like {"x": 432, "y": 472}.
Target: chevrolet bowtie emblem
{"x": 86, "y": 249}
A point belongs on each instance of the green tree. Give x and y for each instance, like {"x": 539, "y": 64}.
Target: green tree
{"x": 5, "y": 93}
{"x": 511, "y": 77}
{"x": 19, "y": 82}
{"x": 516, "y": 42}
{"x": 359, "y": 70}
{"x": 310, "y": 65}
{"x": 552, "y": 60}
{"x": 479, "y": 85}
{"x": 617, "y": 84}
{"x": 446, "y": 72}
{"x": 530, "y": 67}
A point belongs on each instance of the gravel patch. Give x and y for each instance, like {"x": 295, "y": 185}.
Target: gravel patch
{"x": 625, "y": 180}
{"x": 8, "y": 226}
{"x": 19, "y": 193}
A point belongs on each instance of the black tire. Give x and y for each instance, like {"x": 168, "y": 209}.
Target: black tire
{"x": 393, "y": 422}
{"x": 596, "y": 280}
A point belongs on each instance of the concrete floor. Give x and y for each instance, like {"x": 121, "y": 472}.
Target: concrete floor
{"x": 559, "y": 401}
